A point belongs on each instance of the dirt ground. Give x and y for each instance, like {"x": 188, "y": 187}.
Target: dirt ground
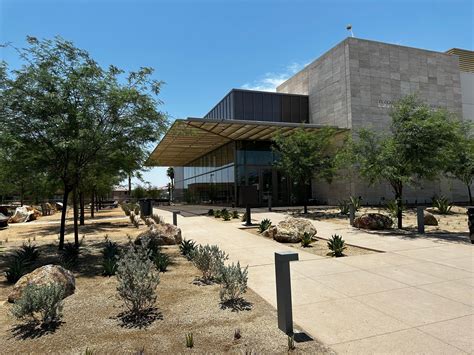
{"x": 91, "y": 315}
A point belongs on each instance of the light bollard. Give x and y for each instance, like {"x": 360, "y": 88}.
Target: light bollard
{"x": 420, "y": 218}
{"x": 175, "y": 217}
{"x": 248, "y": 220}
{"x": 283, "y": 290}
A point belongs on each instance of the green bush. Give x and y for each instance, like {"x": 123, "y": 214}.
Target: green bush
{"x": 158, "y": 219}
{"x": 29, "y": 252}
{"x": 442, "y": 205}
{"x": 233, "y": 280}
{"x": 344, "y": 207}
{"x": 125, "y": 208}
{"x": 137, "y": 279}
{"x": 209, "y": 259}
{"x": 337, "y": 246}
{"x": 217, "y": 213}
{"x": 15, "y": 268}
{"x": 264, "y": 225}
{"x": 226, "y": 215}
{"x": 306, "y": 240}
{"x": 162, "y": 261}
{"x": 110, "y": 255}
{"x": 187, "y": 248}
{"x": 42, "y": 300}
{"x": 235, "y": 214}
{"x": 136, "y": 209}
{"x": 210, "y": 212}
{"x": 356, "y": 202}
{"x": 70, "y": 255}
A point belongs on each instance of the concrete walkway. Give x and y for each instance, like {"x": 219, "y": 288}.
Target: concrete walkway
{"x": 416, "y": 297}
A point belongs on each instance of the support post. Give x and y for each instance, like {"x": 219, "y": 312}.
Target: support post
{"x": 175, "y": 217}
{"x": 248, "y": 221}
{"x": 283, "y": 290}
{"x": 351, "y": 214}
{"x": 269, "y": 203}
{"x": 420, "y": 218}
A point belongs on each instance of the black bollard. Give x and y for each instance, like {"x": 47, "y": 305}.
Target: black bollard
{"x": 175, "y": 217}
{"x": 248, "y": 221}
{"x": 470, "y": 222}
{"x": 283, "y": 290}
{"x": 420, "y": 219}
{"x": 269, "y": 203}
{"x": 351, "y": 214}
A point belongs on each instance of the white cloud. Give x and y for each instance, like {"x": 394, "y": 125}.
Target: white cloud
{"x": 270, "y": 81}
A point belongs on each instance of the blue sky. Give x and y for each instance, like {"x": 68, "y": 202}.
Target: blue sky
{"x": 202, "y": 49}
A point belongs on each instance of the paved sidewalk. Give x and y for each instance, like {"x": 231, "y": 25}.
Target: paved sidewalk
{"x": 417, "y": 297}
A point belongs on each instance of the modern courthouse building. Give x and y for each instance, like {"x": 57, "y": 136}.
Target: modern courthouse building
{"x": 351, "y": 86}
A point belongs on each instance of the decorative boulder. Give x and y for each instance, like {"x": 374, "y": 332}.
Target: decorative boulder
{"x": 291, "y": 230}
{"x": 42, "y": 276}
{"x": 429, "y": 219}
{"x": 24, "y": 214}
{"x": 270, "y": 232}
{"x": 165, "y": 234}
{"x": 373, "y": 221}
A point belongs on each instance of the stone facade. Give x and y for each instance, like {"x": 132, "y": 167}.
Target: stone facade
{"x": 354, "y": 84}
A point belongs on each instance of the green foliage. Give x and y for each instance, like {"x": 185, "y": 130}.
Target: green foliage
{"x": 226, "y": 216}
{"x": 210, "y": 212}
{"x": 217, "y": 213}
{"x": 29, "y": 252}
{"x": 109, "y": 255}
{"x": 137, "y": 279}
{"x": 136, "y": 209}
{"x": 233, "y": 280}
{"x": 394, "y": 207}
{"x": 264, "y": 225}
{"x": 291, "y": 342}
{"x": 70, "y": 255}
{"x": 125, "y": 209}
{"x": 187, "y": 248}
{"x": 162, "y": 261}
{"x": 337, "y": 246}
{"x": 356, "y": 202}
{"x": 442, "y": 204}
{"x": 344, "y": 207}
{"x": 42, "y": 300}
{"x": 16, "y": 268}
{"x": 209, "y": 259}
{"x": 158, "y": 219}
{"x": 189, "y": 340}
{"x": 235, "y": 214}
{"x": 306, "y": 240}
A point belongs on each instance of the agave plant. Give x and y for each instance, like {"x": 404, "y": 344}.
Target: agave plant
{"x": 210, "y": 212}
{"x": 217, "y": 213}
{"x": 187, "y": 248}
{"x": 306, "y": 240}
{"x": 344, "y": 207}
{"x": 442, "y": 205}
{"x": 235, "y": 214}
{"x": 226, "y": 215}
{"x": 264, "y": 225}
{"x": 29, "y": 252}
{"x": 393, "y": 208}
{"x": 356, "y": 202}
{"x": 337, "y": 246}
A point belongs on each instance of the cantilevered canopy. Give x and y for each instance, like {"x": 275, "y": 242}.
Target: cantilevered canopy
{"x": 187, "y": 140}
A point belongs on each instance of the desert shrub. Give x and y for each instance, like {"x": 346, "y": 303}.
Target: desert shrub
{"x": 157, "y": 218}
{"x": 110, "y": 255}
{"x": 187, "y": 248}
{"x": 210, "y": 212}
{"x": 392, "y": 207}
{"x": 337, "y": 246}
{"x": 70, "y": 255}
{"x": 29, "y": 252}
{"x": 209, "y": 259}
{"x": 137, "y": 279}
{"x": 344, "y": 207}
{"x": 306, "y": 240}
{"x": 356, "y": 202}
{"x": 42, "y": 300}
{"x": 442, "y": 205}
{"x": 125, "y": 209}
{"x": 162, "y": 261}
{"x": 225, "y": 215}
{"x": 151, "y": 244}
{"x": 235, "y": 214}
{"x": 136, "y": 209}
{"x": 15, "y": 268}
{"x": 233, "y": 280}
{"x": 264, "y": 225}
{"x": 217, "y": 213}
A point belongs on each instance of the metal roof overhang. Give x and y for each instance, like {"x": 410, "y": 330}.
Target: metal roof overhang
{"x": 187, "y": 140}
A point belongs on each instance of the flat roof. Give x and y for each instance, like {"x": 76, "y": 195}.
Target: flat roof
{"x": 188, "y": 139}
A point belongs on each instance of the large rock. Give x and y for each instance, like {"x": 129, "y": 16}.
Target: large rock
{"x": 429, "y": 219}
{"x": 165, "y": 234}
{"x": 373, "y": 221}
{"x": 42, "y": 276}
{"x": 291, "y": 230}
{"x": 24, "y": 214}
{"x": 3, "y": 220}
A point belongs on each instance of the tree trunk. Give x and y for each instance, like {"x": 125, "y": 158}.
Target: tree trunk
{"x": 305, "y": 207}
{"x": 62, "y": 229}
{"x": 100, "y": 202}
{"x": 81, "y": 205}
{"x": 75, "y": 214}
{"x": 130, "y": 185}
{"x": 470, "y": 193}
{"x": 398, "y": 197}
{"x": 92, "y": 204}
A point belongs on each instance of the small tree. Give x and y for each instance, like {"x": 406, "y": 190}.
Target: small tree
{"x": 418, "y": 147}
{"x": 461, "y": 164}
{"x": 304, "y": 155}
{"x": 170, "y": 174}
